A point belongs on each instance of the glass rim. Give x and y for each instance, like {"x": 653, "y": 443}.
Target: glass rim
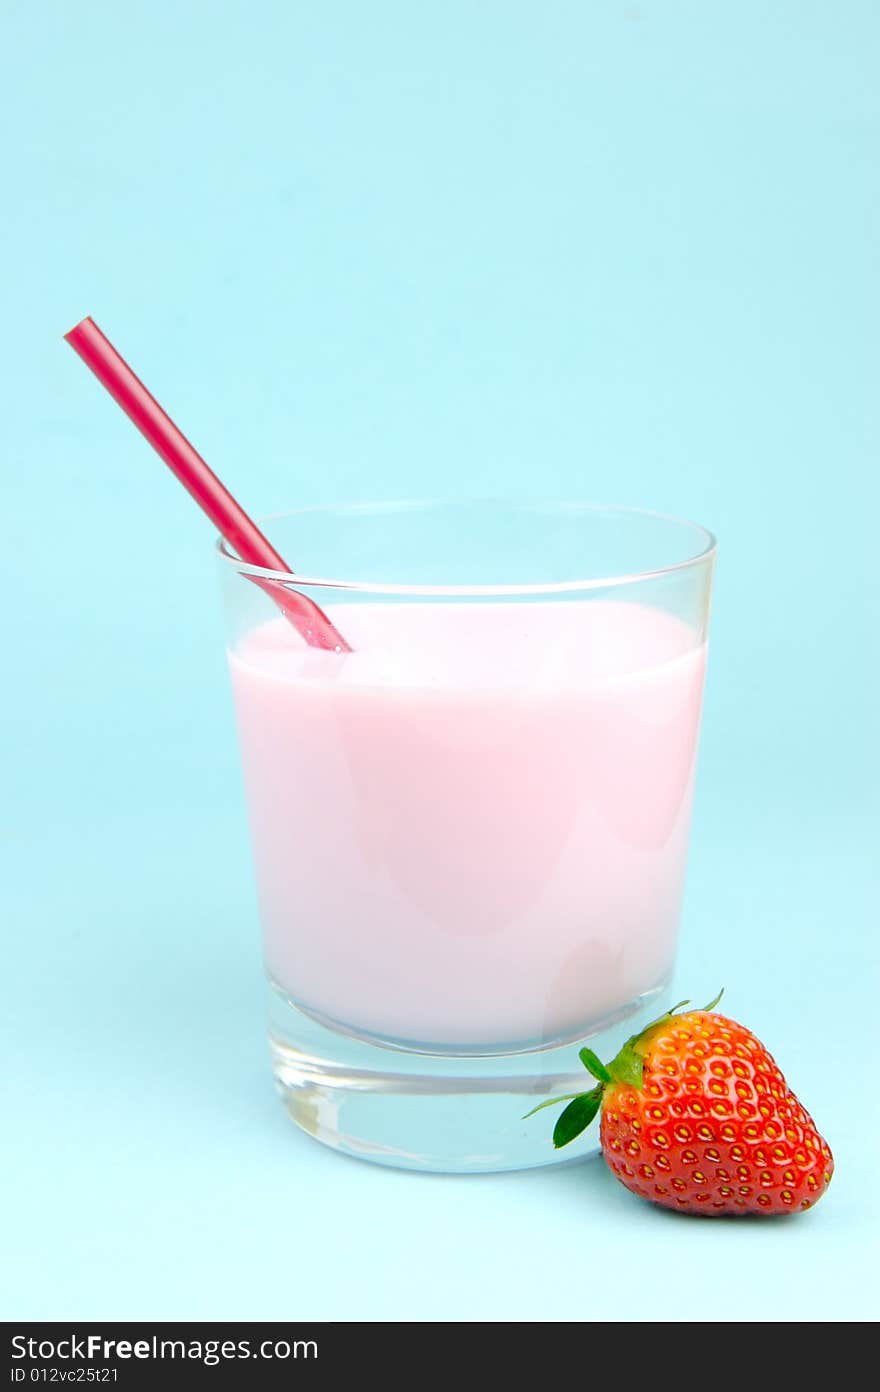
{"x": 300, "y": 580}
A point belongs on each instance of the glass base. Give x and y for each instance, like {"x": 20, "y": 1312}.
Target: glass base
{"x": 448, "y": 1113}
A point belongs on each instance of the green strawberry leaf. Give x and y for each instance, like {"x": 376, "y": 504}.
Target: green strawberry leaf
{"x": 595, "y": 1065}
{"x": 712, "y": 1004}
{"x": 672, "y": 1010}
{"x": 552, "y": 1102}
{"x": 577, "y": 1117}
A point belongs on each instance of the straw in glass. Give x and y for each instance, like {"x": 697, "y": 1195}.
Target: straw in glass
{"x": 230, "y": 519}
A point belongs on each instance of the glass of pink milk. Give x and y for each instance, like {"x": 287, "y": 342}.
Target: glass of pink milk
{"x": 469, "y": 833}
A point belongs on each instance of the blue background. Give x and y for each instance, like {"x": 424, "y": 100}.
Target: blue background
{"x": 626, "y": 251}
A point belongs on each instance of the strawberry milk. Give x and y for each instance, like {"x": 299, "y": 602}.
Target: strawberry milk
{"x": 471, "y": 831}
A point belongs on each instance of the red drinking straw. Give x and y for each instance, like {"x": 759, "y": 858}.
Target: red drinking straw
{"x": 231, "y": 521}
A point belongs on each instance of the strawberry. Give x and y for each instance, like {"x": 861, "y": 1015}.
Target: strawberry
{"x": 696, "y": 1116}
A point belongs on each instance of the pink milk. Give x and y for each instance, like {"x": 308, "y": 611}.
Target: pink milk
{"x": 472, "y": 830}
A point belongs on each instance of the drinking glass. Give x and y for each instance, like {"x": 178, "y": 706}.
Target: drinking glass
{"x": 469, "y": 833}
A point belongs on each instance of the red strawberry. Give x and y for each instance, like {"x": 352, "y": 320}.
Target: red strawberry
{"x": 696, "y": 1116}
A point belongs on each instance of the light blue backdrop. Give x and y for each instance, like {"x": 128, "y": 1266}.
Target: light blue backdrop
{"x": 626, "y": 251}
